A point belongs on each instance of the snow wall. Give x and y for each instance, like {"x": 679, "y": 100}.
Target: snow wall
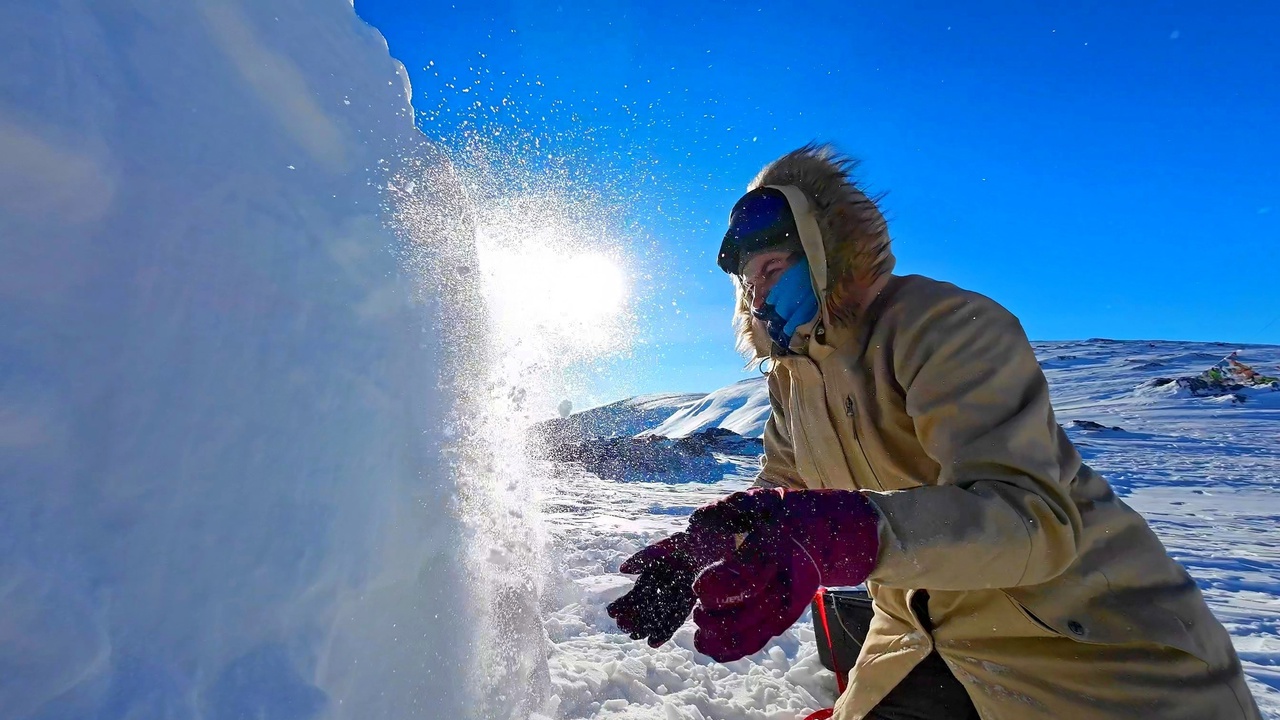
{"x": 234, "y": 457}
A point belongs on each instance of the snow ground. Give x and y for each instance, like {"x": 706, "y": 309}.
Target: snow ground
{"x": 1204, "y": 471}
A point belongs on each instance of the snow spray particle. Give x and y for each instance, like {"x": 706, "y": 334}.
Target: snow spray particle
{"x": 536, "y": 276}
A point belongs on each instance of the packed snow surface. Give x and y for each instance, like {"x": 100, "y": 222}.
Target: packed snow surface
{"x": 1205, "y": 471}
{"x": 223, "y": 493}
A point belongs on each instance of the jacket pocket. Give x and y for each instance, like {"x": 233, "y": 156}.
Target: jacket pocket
{"x": 1043, "y": 627}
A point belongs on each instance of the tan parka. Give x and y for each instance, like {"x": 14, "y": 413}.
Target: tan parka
{"x": 1048, "y": 596}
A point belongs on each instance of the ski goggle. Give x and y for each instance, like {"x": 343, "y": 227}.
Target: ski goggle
{"x": 760, "y": 219}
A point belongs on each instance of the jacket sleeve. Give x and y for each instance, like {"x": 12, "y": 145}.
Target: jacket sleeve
{"x": 1000, "y": 514}
{"x": 778, "y": 465}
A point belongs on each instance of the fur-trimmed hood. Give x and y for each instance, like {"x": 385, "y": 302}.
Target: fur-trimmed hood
{"x": 854, "y": 236}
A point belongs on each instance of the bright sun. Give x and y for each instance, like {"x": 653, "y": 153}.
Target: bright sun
{"x": 574, "y": 297}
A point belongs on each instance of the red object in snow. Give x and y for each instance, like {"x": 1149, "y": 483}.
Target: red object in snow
{"x": 826, "y": 629}
{"x": 822, "y": 612}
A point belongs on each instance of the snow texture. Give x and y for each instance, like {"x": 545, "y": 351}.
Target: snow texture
{"x": 1203, "y": 470}
{"x": 224, "y": 491}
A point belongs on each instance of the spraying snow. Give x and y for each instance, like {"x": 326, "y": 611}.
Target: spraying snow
{"x": 555, "y": 297}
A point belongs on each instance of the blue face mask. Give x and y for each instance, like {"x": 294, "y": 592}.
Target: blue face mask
{"x": 790, "y": 304}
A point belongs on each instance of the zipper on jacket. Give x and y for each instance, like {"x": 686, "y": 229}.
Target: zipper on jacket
{"x": 852, "y": 411}
{"x": 863, "y": 339}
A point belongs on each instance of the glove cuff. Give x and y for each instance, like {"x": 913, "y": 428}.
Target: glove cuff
{"x": 840, "y": 529}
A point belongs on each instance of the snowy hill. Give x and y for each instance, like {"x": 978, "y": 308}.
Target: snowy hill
{"x": 741, "y": 407}
{"x": 668, "y": 438}
{"x": 1204, "y": 469}
{"x": 705, "y": 456}
{"x": 1156, "y": 369}
{"x": 633, "y": 416}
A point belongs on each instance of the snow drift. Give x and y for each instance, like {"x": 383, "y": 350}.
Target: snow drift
{"x": 224, "y": 485}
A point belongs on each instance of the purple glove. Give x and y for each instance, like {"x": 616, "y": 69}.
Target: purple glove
{"x": 662, "y": 597}
{"x": 797, "y": 541}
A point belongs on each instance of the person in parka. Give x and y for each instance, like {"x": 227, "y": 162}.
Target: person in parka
{"x": 912, "y": 446}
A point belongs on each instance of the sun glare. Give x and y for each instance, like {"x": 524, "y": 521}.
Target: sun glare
{"x": 572, "y": 298}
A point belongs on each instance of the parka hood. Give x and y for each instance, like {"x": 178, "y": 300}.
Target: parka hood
{"x": 852, "y": 235}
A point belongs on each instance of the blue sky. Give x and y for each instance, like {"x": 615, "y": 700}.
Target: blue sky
{"x": 1103, "y": 169}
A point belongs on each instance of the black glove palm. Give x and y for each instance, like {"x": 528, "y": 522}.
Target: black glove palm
{"x": 663, "y": 595}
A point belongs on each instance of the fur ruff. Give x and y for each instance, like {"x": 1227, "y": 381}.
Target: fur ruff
{"x": 855, "y": 237}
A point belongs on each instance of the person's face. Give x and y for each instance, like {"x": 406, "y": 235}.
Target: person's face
{"x": 762, "y": 271}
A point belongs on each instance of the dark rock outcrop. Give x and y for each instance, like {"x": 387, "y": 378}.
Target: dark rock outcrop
{"x": 1091, "y": 426}
{"x": 700, "y": 457}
